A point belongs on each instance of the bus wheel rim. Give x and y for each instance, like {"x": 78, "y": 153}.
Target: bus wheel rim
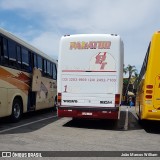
{"x": 16, "y": 111}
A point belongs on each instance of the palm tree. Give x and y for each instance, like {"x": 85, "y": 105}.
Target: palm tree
{"x": 130, "y": 69}
{"x": 135, "y": 83}
{"x": 124, "y": 69}
{"x": 125, "y": 81}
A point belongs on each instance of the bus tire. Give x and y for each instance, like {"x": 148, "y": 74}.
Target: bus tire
{"x": 16, "y": 110}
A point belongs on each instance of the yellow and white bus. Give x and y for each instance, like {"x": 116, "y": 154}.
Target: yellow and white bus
{"x": 148, "y": 92}
{"x": 28, "y": 77}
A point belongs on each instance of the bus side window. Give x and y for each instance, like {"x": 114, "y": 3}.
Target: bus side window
{"x": 30, "y": 62}
{"x": 39, "y": 59}
{"x": 51, "y": 73}
{"x": 54, "y": 72}
{"x": 35, "y": 60}
{"x": 48, "y": 68}
{"x": 25, "y": 59}
{"x": 19, "y": 57}
{"x": 44, "y": 67}
{"x": 12, "y": 53}
{"x": 5, "y": 52}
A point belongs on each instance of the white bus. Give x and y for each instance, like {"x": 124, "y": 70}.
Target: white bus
{"x": 28, "y": 77}
{"x": 90, "y": 75}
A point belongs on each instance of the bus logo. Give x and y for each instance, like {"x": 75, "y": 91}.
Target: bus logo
{"x": 100, "y": 58}
{"x": 105, "y": 102}
{"x": 70, "y": 101}
{"x": 90, "y": 45}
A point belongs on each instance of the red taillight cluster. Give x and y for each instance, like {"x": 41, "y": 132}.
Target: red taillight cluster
{"x": 149, "y": 96}
{"x": 117, "y": 99}
{"x": 149, "y": 91}
{"x": 59, "y": 98}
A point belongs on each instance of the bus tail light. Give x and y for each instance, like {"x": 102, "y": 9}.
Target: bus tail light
{"x": 149, "y": 91}
{"x": 59, "y": 98}
{"x": 149, "y": 96}
{"x": 117, "y": 99}
{"x": 149, "y": 86}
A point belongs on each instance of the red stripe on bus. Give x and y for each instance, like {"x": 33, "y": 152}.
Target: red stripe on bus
{"x": 84, "y": 71}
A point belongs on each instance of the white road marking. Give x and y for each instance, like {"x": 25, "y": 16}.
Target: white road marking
{"x": 23, "y": 125}
{"x": 126, "y": 120}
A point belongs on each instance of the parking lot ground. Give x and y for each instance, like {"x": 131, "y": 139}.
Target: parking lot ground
{"x": 44, "y": 131}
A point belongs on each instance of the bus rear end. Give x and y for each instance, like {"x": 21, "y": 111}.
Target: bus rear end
{"x": 90, "y": 76}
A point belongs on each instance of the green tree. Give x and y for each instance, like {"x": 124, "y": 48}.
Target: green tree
{"x": 135, "y": 83}
{"x": 124, "y": 69}
{"x": 130, "y": 70}
{"x": 125, "y": 80}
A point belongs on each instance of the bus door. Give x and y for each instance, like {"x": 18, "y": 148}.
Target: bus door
{"x": 36, "y": 80}
{"x": 36, "y": 86}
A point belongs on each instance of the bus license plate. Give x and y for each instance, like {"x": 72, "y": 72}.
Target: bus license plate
{"x": 87, "y": 113}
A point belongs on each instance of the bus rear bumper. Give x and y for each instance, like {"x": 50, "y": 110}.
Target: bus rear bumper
{"x": 89, "y": 113}
{"x": 154, "y": 115}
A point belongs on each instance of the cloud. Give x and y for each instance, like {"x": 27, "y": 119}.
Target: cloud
{"x": 47, "y": 42}
{"x": 86, "y": 15}
{"x": 131, "y": 19}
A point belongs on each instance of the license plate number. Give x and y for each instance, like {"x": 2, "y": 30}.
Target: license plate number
{"x": 87, "y": 113}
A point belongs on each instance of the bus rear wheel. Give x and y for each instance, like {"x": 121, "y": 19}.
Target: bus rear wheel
{"x": 16, "y": 110}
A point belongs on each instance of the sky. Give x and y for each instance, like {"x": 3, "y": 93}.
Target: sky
{"x": 42, "y": 23}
